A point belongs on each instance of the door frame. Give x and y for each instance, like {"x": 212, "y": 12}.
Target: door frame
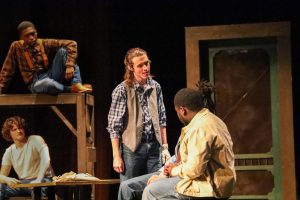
{"x": 281, "y": 32}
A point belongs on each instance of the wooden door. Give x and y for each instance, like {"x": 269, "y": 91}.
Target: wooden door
{"x": 250, "y": 67}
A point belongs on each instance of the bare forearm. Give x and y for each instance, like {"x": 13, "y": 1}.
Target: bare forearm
{"x": 118, "y": 163}
{"x": 3, "y": 178}
{"x": 5, "y": 169}
{"x": 115, "y": 143}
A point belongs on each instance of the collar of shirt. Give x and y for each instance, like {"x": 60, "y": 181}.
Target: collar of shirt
{"x": 143, "y": 88}
{"x": 192, "y": 123}
{"x": 29, "y": 48}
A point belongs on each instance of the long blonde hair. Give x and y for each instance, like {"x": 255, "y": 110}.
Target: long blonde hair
{"x": 131, "y": 53}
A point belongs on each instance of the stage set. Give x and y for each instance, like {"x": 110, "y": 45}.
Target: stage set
{"x": 252, "y": 63}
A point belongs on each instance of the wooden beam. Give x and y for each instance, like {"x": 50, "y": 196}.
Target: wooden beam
{"x": 81, "y": 135}
{"x": 64, "y": 119}
{"x": 37, "y": 99}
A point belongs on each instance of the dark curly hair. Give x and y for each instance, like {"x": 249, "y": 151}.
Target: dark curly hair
{"x": 207, "y": 89}
{"x": 8, "y": 125}
{"x": 196, "y": 99}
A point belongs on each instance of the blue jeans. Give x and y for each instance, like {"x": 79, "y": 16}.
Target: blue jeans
{"x": 6, "y": 191}
{"x": 133, "y": 188}
{"x": 50, "y": 82}
{"x": 146, "y": 159}
{"x": 162, "y": 189}
{"x": 137, "y": 188}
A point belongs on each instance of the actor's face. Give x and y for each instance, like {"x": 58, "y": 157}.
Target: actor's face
{"x": 141, "y": 68}
{"x": 29, "y": 35}
{"x": 17, "y": 134}
{"x": 181, "y": 114}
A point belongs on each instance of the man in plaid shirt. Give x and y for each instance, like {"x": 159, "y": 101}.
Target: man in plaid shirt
{"x": 44, "y": 64}
{"x": 137, "y": 120}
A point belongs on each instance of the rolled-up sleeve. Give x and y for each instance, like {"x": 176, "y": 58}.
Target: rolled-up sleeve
{"x": 117, "y": 112}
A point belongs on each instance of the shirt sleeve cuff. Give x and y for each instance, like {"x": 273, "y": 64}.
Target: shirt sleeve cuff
{"x": 115, "y": 136}
{"x": 163, "y": 125}
{"x": 70, "y": 64}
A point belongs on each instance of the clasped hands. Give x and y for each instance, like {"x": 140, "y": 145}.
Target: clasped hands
{"x": 167, "y": 172}
{"x": 168, "y": 169}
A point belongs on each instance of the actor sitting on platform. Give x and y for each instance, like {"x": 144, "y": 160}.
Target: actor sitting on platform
{"x": 204, "y": 164}
{"x": 29, "y": 156}
{"x": 45, "y": 64}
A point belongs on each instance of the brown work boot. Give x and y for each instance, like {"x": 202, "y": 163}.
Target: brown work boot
{"x": 79, "y": 88}
{"x": 88, "y": 86}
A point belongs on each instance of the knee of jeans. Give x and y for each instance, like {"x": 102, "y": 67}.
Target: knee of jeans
{"x": 43, "y": 86}
{"x": 53, "y": 90}
{"x": 123, "y": 186}
{"x": 62, "y": 51}
{"x": 147, "y": 192}
{"x": 2, "y": 187}
{"x": 50, "y": 87}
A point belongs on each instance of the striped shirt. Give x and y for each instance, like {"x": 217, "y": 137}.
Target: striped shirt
{"x": 117, "y": 112}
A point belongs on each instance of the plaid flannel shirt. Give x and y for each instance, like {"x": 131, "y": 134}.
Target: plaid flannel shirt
{"x": 116, "y": 116}
{"x": 15, "y": 58}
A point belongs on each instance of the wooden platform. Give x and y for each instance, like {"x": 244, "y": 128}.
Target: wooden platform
{"x": 68, "y": 183}
{"x": 84, "y": 105}
{"x": 82, "y": 188}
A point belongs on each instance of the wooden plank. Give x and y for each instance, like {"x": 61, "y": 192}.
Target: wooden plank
{"x": 90, "y": 145}
{"x": 91, "y": 155}
{"x": 253, "y": 156}
{"x": 81, "y": 135}
{"x": 67, "y": 183}
{"x": 250, "y": 197}
{"x": 90, "y": 100}
{"x": 192, "y": 60}
{"x": 287, "y": 153}
{"x": 38, "y": 99}
{"x": 254, "y": 168}
{"x": 251, "y": 30}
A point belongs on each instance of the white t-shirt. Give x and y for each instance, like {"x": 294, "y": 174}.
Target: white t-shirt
{"x": 26, "y": 160}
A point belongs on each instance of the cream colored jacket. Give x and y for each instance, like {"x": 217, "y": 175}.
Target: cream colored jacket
{"x": 207, "y": 159}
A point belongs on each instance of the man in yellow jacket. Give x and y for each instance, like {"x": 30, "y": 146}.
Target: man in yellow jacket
{"x": 204, "y": 164}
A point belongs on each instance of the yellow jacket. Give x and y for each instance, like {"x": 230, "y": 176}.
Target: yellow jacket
{"x": 207, "y": 159}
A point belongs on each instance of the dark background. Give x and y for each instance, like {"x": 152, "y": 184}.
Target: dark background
{"x": 105, "y": 30}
